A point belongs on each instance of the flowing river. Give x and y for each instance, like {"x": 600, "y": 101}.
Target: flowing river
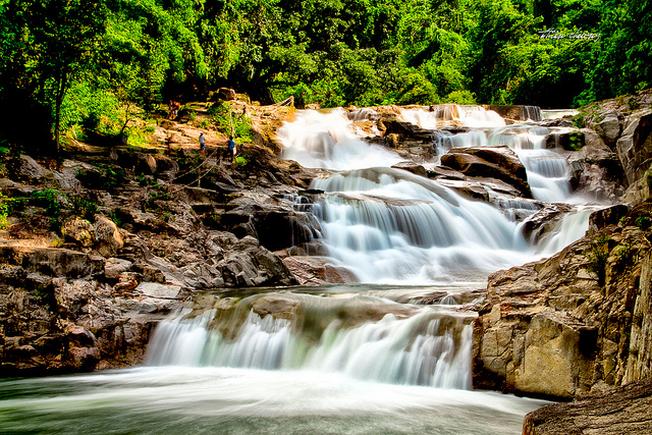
{"x": 390, "y": 354}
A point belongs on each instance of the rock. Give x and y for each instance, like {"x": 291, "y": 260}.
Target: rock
{"x": 541, "y": 223}
{"x": 26, "y": 169}
{"x": 107, "y": 236}
{"x": 226, "y": 94}
{"x": 607, "y": 216}
{"x": 412, "y": 167}
{"x": 489, "y": 162}
{"x": 635, "y": 146}
{"x": 159, "y": 291}
{"x": 572, "y": 140}
{"x": 621, "y": 411}
{"x": 247, "y": 264}
{"x": 145, "y": 164}
{"x": 609, "y": 126}
{"x": 114, "y": 267}
{"x": 50, "y": 261}
{"x": 595, "y": 170}
{"x": 79, "y": 231}
{"x": 317, "y": 271}
{"x": 278, "y": 222}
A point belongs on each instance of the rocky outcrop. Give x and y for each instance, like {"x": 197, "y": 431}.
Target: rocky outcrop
{"x": 596, "y": 171}
{"x": 566, "y": 325}
{"x": 621, "y": 411}
{"x": 66, "y": 316}
{"x": 634, "y": 147}
{"x": 496, "y": 162}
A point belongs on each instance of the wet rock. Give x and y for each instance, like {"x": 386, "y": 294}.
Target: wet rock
{"x": 495, "y": 162}
{"x": 572, "y": 140}
{"x": 79, "y": 231}
{"x": 412, "y": 167}
{"x": 538, "y": 225}
{"x": 107, "y": 235}
{"x": 317, "y": 271}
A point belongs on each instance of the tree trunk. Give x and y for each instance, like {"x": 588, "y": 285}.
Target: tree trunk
{"x": 61, "y": 92}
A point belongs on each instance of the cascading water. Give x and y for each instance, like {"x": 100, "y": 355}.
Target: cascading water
{"x": 327, "y": 140}
{"x": 420, "y": 346}
{"x": 356, "y": 359}
{"x": 547, "y": 171}
{"x": 389, "y": 226}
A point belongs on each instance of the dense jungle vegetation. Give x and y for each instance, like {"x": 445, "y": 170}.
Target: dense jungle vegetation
{"x": 89, "y": 65}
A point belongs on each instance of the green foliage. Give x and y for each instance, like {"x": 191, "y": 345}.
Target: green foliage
{"x": 88, "y": 67}
{"x": 4, "y": 211}
{"x": 597, "y": 257}
{"x": 241, "y": 161}
{"x": 231, "y": 123}
{"x": 83, "y": 207}
{"x": 643, "y": 222}
{"x": 53, "y": 202}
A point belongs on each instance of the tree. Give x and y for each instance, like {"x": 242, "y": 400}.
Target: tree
{"x": 50, "y": 42}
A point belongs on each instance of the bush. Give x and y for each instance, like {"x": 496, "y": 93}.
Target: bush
{"x": 598, "y": 256}
{"x": 52, "y": 200}
{"x": 238, "y": 124}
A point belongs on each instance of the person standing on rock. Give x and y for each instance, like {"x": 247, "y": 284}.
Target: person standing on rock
{"x": 232, "y": 148}
{"x": 202, "y": 144}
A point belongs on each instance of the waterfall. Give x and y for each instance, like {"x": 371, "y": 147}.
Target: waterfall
{"x": 547, "y": 171}
{"x": 327, "y": 140}
{"x": 388, "y": 226}
{"x": 431, "y": 346}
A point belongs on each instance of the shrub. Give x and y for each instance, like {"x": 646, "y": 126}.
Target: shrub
{"x": 597, "y": 256}
{"x": 52, "y": 200}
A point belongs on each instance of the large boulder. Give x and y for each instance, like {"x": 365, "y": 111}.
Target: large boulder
{"x": 317, "y": 271}
{"x": 79, "y": 231}
{"x": 609, "y": 125}
{"x": 489, "y": 162}
{"x": 248, "y": 264}
{"x": 595, "y": 169}
{"x": 107, "y": 235}
{"x": 26, "y": 169}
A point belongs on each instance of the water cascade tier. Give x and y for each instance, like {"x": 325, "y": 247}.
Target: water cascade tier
{"x": 362, "y": 337}
{"x": 547, "y": 170}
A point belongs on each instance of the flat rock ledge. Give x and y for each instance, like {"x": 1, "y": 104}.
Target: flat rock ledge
{"x": 621, "y": 411}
